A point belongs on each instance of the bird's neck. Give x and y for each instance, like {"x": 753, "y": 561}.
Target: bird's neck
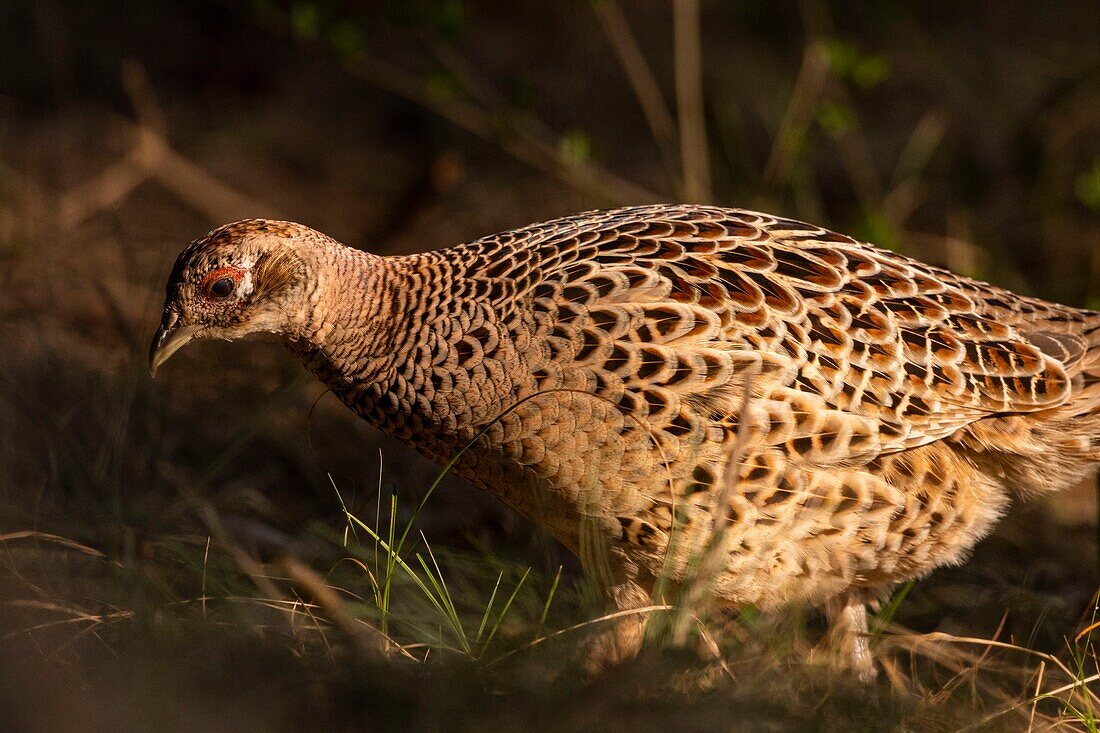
{"x": 390, "y": 337}
{"x": 372, "y": 322}
{"x": 342, "y": 322}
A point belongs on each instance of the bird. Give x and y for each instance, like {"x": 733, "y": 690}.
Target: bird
{"x": 824, "y": 417}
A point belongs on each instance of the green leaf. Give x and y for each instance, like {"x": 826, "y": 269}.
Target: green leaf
{"x": 835, "y": 119}
{"x": 849, "y": 62}
{"x": 575, "y": 148}
{"x": 443, "y": 85}
{"x": 886, "y": 615}
{"x": 449, "y": 20}
{"x": 876, "y": 229}
{"x": 843, "y": 56}
{"x": 504, "y": 611}
{"x": 346, "y": 40}
{"x": 1087, "y": 187}
{"x": 870, "y": 72}
{"x": 305, "y": 20}
{"x": 266, "y": 11}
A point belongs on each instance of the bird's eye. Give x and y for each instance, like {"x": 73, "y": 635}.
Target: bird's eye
{"x": 221, "y": 283}
{"x": 223, "y": 287}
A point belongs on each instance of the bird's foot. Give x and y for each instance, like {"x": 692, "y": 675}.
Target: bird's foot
{"x": 849, "y": 637}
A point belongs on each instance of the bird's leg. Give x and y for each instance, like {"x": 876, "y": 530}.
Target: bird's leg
{"x": 619, "y": 639}
{"x": 848, "y": 634}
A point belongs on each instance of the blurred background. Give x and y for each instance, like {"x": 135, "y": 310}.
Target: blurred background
{"x": 965, "y": 134}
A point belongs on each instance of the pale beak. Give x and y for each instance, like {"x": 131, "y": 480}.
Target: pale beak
{"x": 169, "y": 339}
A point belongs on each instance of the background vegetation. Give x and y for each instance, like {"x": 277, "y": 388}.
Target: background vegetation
{"x": 211, "y": 550}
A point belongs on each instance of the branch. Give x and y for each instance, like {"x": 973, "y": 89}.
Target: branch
{"x": 151, "y": 157}
{"x": 808, "y": 87}
{"x": 642, "y": 80}
{"x": 519, "y": 143}
{"x": 689, "y": 100}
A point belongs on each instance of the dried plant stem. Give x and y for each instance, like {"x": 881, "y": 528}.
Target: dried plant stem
{"x": 642, "y": 80}
{"x": 193, "y": 184}
{"x": 536, "y": 152}
{"x": 697, "y": 592}
{"x": 855, "y": 153}
{"x": 371, "y": 643}
{"x": 151, "y": 157}
{"x": 689, "y": 101}
{"x": 1036, "y": 695}
{"x": 808, "y": 88}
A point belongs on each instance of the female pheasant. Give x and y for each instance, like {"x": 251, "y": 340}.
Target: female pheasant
{"x": 633, "y": 379}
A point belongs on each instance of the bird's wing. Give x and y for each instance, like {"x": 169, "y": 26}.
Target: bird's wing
{"x": 854, "y": 350}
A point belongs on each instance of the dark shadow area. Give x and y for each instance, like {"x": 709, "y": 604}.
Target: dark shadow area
{"x": 142, "y": 523}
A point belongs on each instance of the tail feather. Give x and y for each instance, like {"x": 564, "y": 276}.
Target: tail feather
{"x": 1087, "y": 397}
{"x": 1075, "y": 343}
{"x": 1091, "y": 361}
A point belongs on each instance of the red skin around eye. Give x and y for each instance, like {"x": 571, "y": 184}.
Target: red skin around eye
{"x": 212, "y": 277}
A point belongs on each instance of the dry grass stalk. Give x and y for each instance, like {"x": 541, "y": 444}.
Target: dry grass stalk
{"x": 642, "y": 80}
{"x": 689, "y": 101}
{"x": 809, "y": 85}
{"x": 696, "y": 594}
{"x": 371, "y": 643}
{"x": 152, "y": 157}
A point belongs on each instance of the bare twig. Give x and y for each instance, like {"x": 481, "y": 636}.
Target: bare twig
{"x": 1036, "y": 695}
{"x": 370, "y": 642}
{"x": 689, "y": 100}
{"x": 103, "y": 192}
{"x": 954, "y": 252}
{"x": 144, "y": 100}
{"x": 514, "y": 133}
{"x": 919, "y": 148}
{"x": 808, "y": 87}
{"x": 151, "y": 157}
{"x": 522, "y": 136}
{"x": 193, "y": 184}
{"x": 541, "y": 154}
{"x": 697, "y": 590}
{"x": 641, "y": 78}
{"x": 855, "y": 153}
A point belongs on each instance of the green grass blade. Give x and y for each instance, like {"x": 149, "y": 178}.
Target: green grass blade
{"x": 549, "y": 600}
{"x": 450, "y": 613}
{"x": 886, "y": 615}
{"x": 488, "y": 608}
{"x": 504, "y": 611}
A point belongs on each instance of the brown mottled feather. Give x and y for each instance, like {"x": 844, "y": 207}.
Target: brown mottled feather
{"x": 894, "y": 407}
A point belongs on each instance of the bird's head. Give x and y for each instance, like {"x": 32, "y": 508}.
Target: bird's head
{"x": 242, "y": 278}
